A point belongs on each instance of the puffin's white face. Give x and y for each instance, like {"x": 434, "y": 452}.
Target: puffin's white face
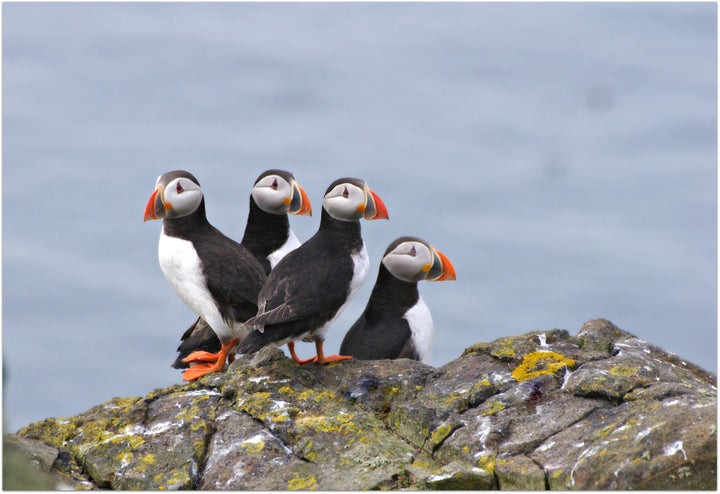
{"x": 181, "y": 197}
{"x": 409, "y": 261}
{"x": 174, "y": 196}
{"x": 272, "y": 194}
{"x": 413, "y": 260}
{"x": 345, "y": 202}
{"x": 276, "y": 195}
{"x": 351, "y": 199}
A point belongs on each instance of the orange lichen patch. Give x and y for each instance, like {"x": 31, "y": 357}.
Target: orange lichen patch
{"x": 541, "y": 363}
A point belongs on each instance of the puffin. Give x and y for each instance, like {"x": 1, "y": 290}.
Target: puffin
{"x": 218, "y": 278}
{"x": 312, "y": 285}
{"x": 396, "y": 322}
{"x": 268, "y": 237}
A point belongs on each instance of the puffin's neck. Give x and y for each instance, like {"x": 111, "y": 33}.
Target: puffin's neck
{"x": 183, "y": 226}
{"x": 346, "y": 232}
{"x": 265, "y": 232}
{"x": 391, "y": 294}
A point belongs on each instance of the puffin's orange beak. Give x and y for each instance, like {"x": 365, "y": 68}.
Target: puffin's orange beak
{"x": 442, "y": 269}
{"x": 299, "y": 202}
{"x": 375, "y": 208}
{"x": 155, "y": 208}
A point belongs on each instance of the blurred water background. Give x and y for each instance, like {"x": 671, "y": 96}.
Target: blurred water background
{"x": 563, "y": 156}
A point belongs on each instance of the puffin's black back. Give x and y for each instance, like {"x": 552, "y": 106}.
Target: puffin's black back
{"x": 308, "y": 286}
{"x": 381, "y": 332}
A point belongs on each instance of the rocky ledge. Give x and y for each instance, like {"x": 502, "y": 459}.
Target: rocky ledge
{"x": 544, "y": 410}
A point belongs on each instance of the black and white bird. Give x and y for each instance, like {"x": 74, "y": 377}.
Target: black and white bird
{"x": 215, "y": 276}
{"x": 312, "y": 285}
{"x": 268, "y": 237}
{"x": 396, "y": 322}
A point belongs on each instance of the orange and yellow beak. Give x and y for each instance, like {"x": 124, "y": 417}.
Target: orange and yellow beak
{"x": 299, "y": 201}
{"x": 156, "y": 207}
{"x": 374, "y": 208}
{"x": 441, "y": 269}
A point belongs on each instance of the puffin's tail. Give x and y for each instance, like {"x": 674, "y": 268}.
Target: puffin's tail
{"x": 278, "y": 334}
{"x": 198, "y": 337}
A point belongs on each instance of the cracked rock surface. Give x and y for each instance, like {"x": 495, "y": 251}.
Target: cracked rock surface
{"x": 600, "y": 409}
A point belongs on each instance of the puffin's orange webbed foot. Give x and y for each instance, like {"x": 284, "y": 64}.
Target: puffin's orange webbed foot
{"x": 291, "y": 347}
{"x": 199, "y": 370}
{"x": 199, "y": 356}
{"x": 333, "y": 358}
{"x": 322, "y": 359}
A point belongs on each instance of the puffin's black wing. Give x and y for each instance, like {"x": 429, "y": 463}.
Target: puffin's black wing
{"x": 409, "y": 350}
{"x": 303, "y": 287}
{"x": 234, "y": 277}
{"x": 387, "y": 338}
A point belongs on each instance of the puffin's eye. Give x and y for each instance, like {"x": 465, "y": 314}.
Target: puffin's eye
{"x": 274, "y": 184}
{"x": 179, "y": 188}
{"x": 345, "y": 193}
{"x": 413, "y": 252}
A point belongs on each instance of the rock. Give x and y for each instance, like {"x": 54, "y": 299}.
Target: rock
{"x": 601, "y": 409}
{"x": 25, "y": 463}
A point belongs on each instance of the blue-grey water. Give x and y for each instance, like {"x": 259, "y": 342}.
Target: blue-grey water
{"x": 562, "y": 155}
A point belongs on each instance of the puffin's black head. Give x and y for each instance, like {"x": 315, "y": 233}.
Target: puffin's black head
{"x": 413, "y": 259}
{"x": 349, "y": 199}
{"x": 177, "y": 193}
{"x": 277, "y": 192}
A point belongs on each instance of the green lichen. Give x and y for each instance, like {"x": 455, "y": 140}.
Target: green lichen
{"x": 541, "y": 363}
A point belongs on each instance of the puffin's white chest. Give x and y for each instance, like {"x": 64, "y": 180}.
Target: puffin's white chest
{"x": 291, "y": 244}
{"x": 183, "y": 270}
{"x": 421, "y": 326}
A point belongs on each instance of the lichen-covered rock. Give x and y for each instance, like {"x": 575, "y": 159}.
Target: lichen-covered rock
{"x": 597, "y": 410}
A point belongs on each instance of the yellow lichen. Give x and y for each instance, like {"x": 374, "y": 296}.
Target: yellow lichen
{"x": 439, "y": 434}
{"x": 145, "y": 461}
{"x": 323, "y": 396}
{"x": 604, "y": 432}
{"x": 425, "y": 465}
{"x": 540, "y": 363}
{"x": 623, "y": 370}
{"x": 124, "y": 457}
{"x": 298, "y": 483}
{"x": 492, "y": 408}
{"x": 253, "y": 446}
{"x": 486, "y": 462}
{"x": 287, "y": 390}
{"x": 342, "y": 423}
{"x": 189, "y": 413}
{"x": 504, "y": 351}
